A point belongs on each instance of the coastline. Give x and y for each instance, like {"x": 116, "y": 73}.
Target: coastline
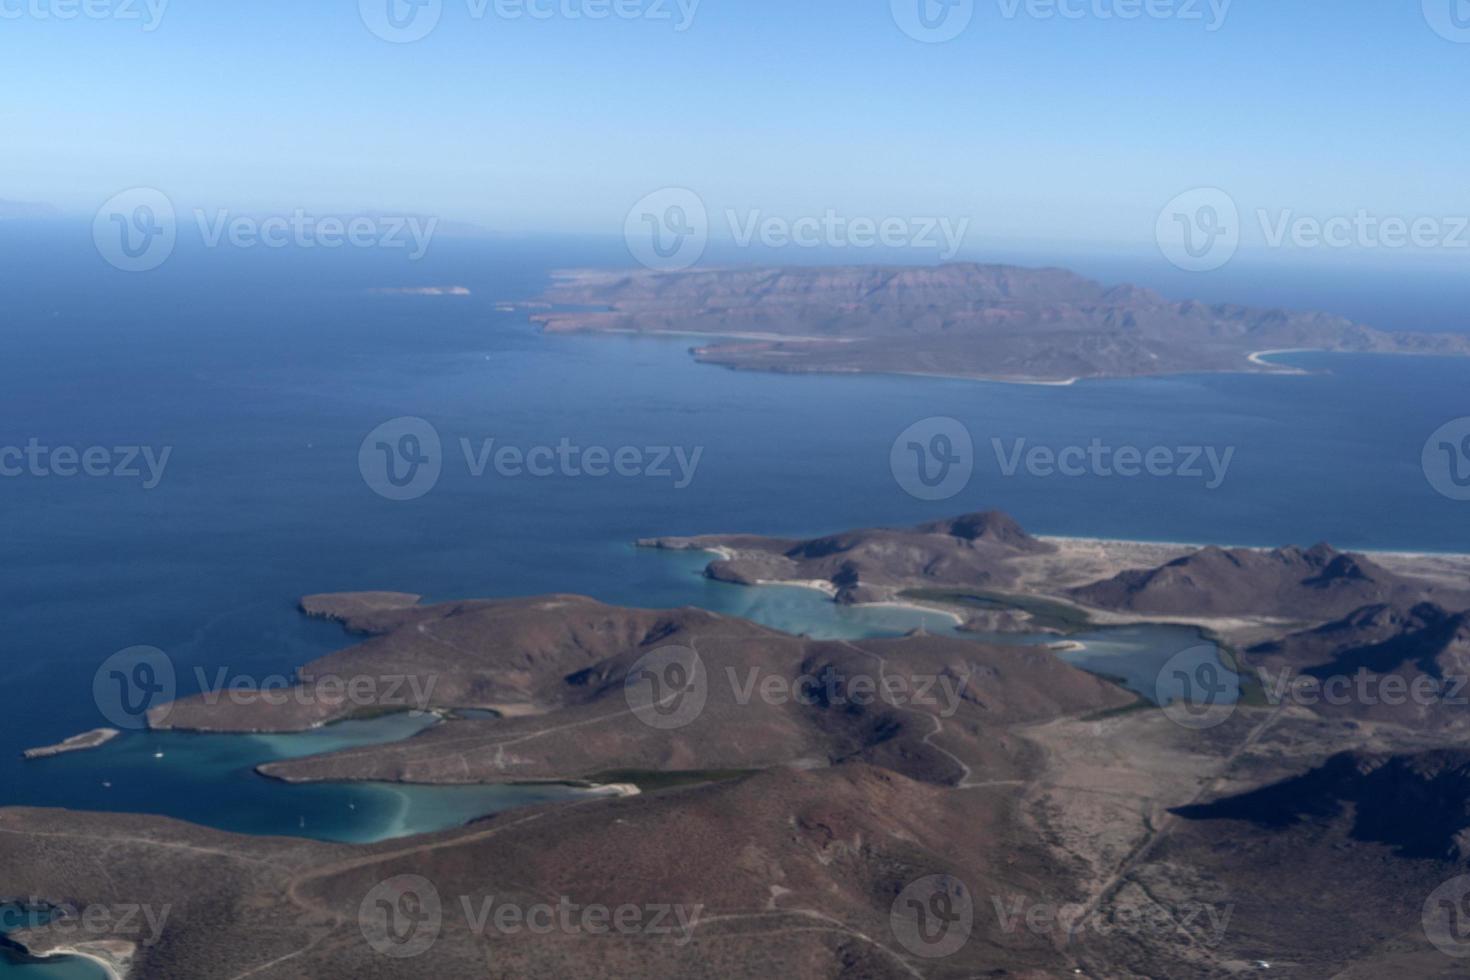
{"x": 830, "y": 591}
{"x": 1195, "y": 545}
{"x": 84, "y": 742}
{"x": 1099, "y": 558}
{"x": 1258, "y": 361}
{"x": 921, "y": 607}
{"x": 106, "y": 964}
{"x": 1259, "y": 358}
{"x": 726, "y": 554}
{"x": 109, "y": 966}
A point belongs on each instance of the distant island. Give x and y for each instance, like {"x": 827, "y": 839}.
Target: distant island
{"x": 991, "y": 322}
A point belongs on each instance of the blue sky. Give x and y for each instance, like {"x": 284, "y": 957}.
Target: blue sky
{"x": 1038, "y": 129}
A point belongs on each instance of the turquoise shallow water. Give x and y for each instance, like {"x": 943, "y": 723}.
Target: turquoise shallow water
{"x": 209, "y": 779}
{"x": 173, "y": 769}
{"x": 15, "y": 966}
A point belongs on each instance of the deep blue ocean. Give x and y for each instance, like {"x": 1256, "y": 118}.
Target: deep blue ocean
{"x": 265, "y": 370}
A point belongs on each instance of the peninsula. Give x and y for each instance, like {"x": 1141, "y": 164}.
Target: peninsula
{"x": 796, "y": 790}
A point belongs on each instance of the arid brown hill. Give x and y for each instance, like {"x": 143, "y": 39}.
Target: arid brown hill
{"x": 972, "y": 551}
{"x": 577, "y": 684}
{"x": 1419, "y": 805}
{"x": 1325, "y": 874}
{"x": 1312, "y": 585}
{"x": 1406, "y": 665}
{"x": 784, "y": 873}
{"x": 794, "y": 868}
